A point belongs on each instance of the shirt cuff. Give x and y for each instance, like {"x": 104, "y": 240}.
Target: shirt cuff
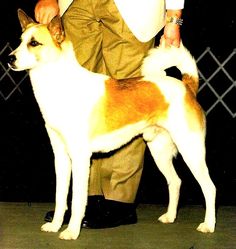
{"x": 174, "y": 4}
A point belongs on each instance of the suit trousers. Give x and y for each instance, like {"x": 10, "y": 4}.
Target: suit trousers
{"x": 104, "y": 44}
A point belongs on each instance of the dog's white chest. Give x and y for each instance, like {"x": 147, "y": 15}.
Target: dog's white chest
{"x": 63, "y": 97}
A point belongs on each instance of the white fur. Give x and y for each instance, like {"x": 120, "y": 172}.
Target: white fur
{"x": 160, "y": 59}
{"x": 67, "y": 94}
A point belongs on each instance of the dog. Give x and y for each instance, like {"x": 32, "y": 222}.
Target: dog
{"x": 87, "y": 112}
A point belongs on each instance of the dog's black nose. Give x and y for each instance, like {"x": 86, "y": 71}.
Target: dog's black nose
{"x": 11, "y": 59}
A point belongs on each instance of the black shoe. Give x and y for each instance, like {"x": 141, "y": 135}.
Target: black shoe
{"x": 111, "y": 214}
{"x": 93, "y": 210}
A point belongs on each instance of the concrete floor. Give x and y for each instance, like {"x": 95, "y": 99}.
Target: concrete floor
{"x": 20, "y": 229}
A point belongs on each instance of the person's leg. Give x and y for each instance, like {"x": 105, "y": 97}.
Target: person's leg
{"x": 85, "y": 31}
{"x": 123, "y": 55}
{"x": 103, "y": 43}
{"x": 121, "y": 171}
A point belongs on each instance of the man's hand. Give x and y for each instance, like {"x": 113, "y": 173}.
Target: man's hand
{"x": 171, "y": 36}
{"x": 45, "y": 10}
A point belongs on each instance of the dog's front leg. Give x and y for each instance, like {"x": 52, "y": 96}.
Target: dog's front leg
{"x": 63, "y": 174}
{"x": 80, "y": 176}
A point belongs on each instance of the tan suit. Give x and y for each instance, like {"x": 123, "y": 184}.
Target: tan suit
{"x": 104, "y": 43}
{"x": 145, "y": 18}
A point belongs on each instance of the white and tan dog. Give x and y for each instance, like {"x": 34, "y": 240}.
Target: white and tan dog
{"x": 85, "y": 112}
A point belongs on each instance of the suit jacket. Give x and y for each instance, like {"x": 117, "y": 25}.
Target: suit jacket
{"x": 145, "y": 18}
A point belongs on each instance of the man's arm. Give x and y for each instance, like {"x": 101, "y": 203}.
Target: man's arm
{"x": 172, "y": 34}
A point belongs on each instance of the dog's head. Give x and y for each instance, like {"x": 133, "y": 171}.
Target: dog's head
{"x": 39, "y": 43}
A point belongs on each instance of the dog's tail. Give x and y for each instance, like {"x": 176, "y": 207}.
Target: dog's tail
{"x": 161, "y": 58}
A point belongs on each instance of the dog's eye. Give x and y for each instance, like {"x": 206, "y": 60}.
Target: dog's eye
{"x": 34, "y": 43}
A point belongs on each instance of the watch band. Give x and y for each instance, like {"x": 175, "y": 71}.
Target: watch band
{"x": 174, "y": 19}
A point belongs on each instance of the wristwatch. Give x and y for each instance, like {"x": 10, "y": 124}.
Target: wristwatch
{"x": 174, "y": 19}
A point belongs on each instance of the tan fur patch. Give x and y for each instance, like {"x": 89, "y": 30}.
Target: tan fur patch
{"x": 127, "y": 102}
{"x": 191, "y": 82}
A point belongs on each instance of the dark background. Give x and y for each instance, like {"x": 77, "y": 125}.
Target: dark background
{"x": 26, "y": 160}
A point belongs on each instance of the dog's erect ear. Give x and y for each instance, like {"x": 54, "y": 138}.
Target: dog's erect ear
{"x": 24, "y": 19}
{"x": 56, "y": 29}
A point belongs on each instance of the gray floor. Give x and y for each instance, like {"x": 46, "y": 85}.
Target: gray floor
{"x": 20, "y": 229}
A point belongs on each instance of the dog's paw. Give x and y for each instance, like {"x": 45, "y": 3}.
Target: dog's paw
{"x": 205, "y": 228}
{"x": 166, "y": 218}
{"x": 69, "y": 234}
{"x": 50, "y": 227}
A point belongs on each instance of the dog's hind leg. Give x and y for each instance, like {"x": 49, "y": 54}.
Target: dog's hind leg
{"x": 163, "y": 150}
{"x": 191, "y": 145}
{"x": 63, "y": 173}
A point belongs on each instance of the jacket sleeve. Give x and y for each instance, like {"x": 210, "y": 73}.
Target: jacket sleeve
{"x": 63, "y": 5}
{"x": 174, "y": 4}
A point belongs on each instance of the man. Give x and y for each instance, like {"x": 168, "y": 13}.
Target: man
{"x": 112, "y": 37}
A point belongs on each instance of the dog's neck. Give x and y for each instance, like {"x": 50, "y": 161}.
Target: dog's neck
{"x": 65, "y": 69}
{"x": 65, "y": 63}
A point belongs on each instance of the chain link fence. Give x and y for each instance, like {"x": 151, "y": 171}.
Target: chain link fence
{"x": 217, "y": 80}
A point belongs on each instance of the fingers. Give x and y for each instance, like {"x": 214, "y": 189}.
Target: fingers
{"x": 45, "y": 10}
{"x": 171, "y": 37}
{"x": 168, "y": 42}
{"x": 43, "y": 17}
{"x": 175, "y": 43}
